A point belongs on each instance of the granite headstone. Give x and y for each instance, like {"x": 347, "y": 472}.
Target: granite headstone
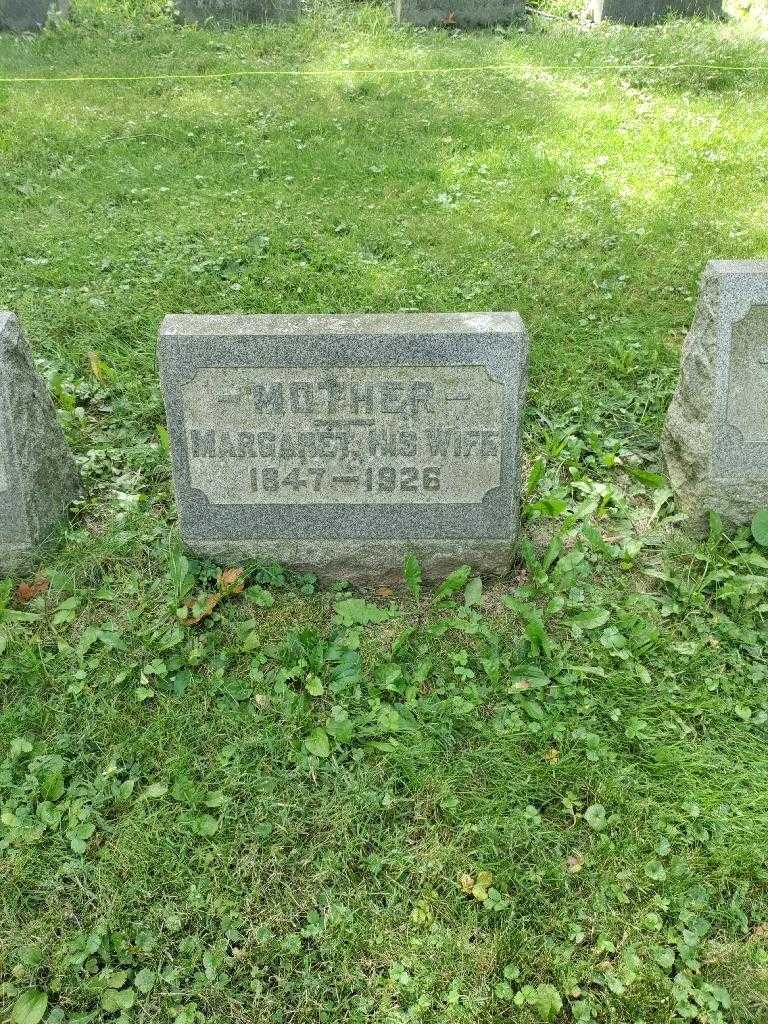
{"x": 715, "y": 440}
{"x": 38, "y": 478}
{"x": 340, "y": 444}
{"x": 236, "y": 12}
{"x": 30, "y": 15}
{"x": 649, "y": 12}
{"x": 460, "y": 13}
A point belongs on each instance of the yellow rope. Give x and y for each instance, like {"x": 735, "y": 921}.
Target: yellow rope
{"x": 327, "y": 73}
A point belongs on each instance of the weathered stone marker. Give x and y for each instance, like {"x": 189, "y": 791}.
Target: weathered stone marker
{"x": 38, "y": 479}
{"x": 460, "y": 13}
{"x": 648, "y": 12}
{"x": 30, "y": 15}
{"x": 236, "y": 12}
{"x": 342, "y": 443}
{"x": 715, "y": 441}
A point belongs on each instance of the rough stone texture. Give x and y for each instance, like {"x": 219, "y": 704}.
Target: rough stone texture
{"x": 647, "y": 12}
{"x": 462, "y": 14}
{"x": 237, "y": 11}
{"x": 38, "y": 478}
{"x": 340, "y": 444}
{"x": 30, "y": 15}
{"x": 715, "y": 440}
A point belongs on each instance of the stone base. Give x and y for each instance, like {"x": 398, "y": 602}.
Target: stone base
{"x": 30, "y": 15}
{"x": 15, "y": 559}
{"x": 648, "y": 12}
{"x": 461, "y": 14}
{"x": 364, "y": 562}
{"x": 235, "y": 12}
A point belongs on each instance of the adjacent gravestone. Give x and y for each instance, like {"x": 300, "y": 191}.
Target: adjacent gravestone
{"x": 30, "y": 15}
{"x": 649, "y": 12}
{"x": 340, "y": 444}
{"x": 38, "y": 479}
{"x": 461, "y": 13}
{"x": 237, "y": 11}
{"x": 715, "y": 440}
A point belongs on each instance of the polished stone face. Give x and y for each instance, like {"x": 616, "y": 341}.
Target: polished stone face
{"x": 376, "y": 435}
{"x": 747, "y": 408}
{"x": 464, "y": 13}
{"x": 648, "y": 12}
{"x": 237, "y": 11}
{"x": 38, "y": 479}
{"x": 30, "y": 15}
{"x": 300, "y": 436}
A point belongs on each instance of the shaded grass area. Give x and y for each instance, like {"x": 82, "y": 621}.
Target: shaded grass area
{"x": 286, "y": 812}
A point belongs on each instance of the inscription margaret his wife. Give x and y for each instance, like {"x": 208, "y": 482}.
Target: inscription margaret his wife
{"x": 370, "y": 435}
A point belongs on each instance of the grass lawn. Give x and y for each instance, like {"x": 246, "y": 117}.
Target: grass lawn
{"x": 547, "y": 800}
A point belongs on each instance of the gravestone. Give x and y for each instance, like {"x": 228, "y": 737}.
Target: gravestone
{"x": 340, "y": 444}
{"x": 460, "y": 13}
{"x": 30, "y": 15}
{"x": 649, "y": 12}
{"x": 38, "y": 479}
{"x": 715, "y": 441}
{"x": 237, "y": 11}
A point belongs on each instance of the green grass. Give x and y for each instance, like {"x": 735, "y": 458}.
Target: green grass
{"x": 269, "y": 816}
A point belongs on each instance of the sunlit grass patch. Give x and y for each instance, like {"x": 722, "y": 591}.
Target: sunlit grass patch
{"x": 270, "y": 804}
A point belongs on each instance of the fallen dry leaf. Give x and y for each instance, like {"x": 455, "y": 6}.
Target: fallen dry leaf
{"x": 203, "y": 611}
{"x": 232, "y": 581}
{"x": 97, "y": 366}
{"x": 26, "y": 592}
{"x": 520, "y": 578}
{"x": 574, "y": 863}
{"x": 477, "y": 887}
